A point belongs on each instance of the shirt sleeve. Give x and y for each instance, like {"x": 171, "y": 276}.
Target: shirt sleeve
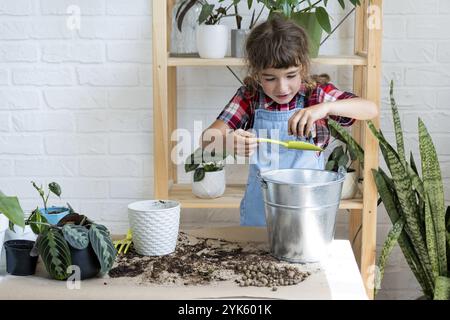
{"x": 329, "y": 93}
{"x": 236, "y": 113}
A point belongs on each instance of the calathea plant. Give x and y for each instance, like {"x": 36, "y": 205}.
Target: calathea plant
{"x": 415, "y": 204}
{"x": 74, "y": 232}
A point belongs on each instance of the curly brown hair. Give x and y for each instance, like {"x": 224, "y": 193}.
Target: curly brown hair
{"x": 279, "y": 43}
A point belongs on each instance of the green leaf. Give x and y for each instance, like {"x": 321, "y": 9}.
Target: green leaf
{"x": 199, "y": 174}
{"x": 55, "y": 253}
{"x": 330, "y": 165}
{"x": 207, "y": 10}
{"x": 341, "y": 2}
{"x": 103, "y": 247}
{"x": 323, "y": 19}
{"x": 55, "y": 188}
{"x": 442, "y": 288}
{"x": 397, "y": 126}
{"x": 389, "y": 244}
{"x": 11, "y": 208}
{"x": 36, "y": 222}
{"x": 76, "y": 236}
{"x": 188, "y": 167}
{"x": 432, "y": 182}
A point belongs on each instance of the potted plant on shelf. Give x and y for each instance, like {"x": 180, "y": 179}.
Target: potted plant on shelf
{"x": 239, "y": 35}
{"x": 212, "y": 37}
{"x": 52, "y": 214}
{"x": 311, "y": 15}
{"x": 416, "y": 206}
{"x": 185, "y": 16}
{"x": 208, "y": 179}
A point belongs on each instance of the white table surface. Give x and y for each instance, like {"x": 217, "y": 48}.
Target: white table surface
{"x": 336, "y": 278}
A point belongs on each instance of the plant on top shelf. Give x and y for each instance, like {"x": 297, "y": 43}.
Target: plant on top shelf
{"x": 255, "y": 17}
{"x": 416, "y": 207}
{"x": 52, "y": 214}
{"x": 311, "y": 15}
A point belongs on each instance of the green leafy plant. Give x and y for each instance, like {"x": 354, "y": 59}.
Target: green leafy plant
{"x": 53, "y": 187}
{"x": 10, "y": 207}
{"x": 288, "y": 7}
{"x": 201, "y": 161}
{"x": 211, "y": 15}
{"x": 74, "y": 230}
{"x": 415, "y": 205}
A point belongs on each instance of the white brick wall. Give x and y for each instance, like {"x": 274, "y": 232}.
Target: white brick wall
{"x": 76, "y": 105}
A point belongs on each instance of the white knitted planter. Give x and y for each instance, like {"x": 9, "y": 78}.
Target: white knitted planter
{"x": 155, "y": 225}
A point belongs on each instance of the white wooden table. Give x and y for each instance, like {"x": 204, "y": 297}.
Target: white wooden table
{"x": 337, "y": 278}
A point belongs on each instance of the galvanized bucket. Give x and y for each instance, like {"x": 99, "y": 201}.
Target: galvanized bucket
{"x": 301, "y": 207}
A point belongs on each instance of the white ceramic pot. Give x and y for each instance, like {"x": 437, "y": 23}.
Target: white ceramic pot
{"x": 155, "y": 225}
{"x": 212, "y": 41}
{"x": 211, "y": 186}
{"x": 3, "y": 227}
{"x": 350, "y": 186}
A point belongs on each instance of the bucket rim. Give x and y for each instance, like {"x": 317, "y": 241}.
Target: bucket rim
{"x": 340, "y": 178}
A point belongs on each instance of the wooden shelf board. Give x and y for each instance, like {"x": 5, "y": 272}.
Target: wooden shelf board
{"x": 231, "y": 199}
{"x": 355, "y": 60}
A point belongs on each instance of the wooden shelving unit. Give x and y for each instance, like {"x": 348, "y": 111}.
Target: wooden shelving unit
{"x": 366, "y": 63}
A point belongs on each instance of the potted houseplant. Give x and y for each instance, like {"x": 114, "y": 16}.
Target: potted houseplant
{"x": 342, "y": 157}
{"x": 185, "y": 16}
{"x": 74, "y": 241}
{"x": 212, "y": 37}
{"x": 239, "y": 35}
{"x": 11, "y": 212}
{"x": 416, "y": 206}
{"x": 52, "y": 214}
{"x": 311, "y": 15}
{"x": 208, "y": 179}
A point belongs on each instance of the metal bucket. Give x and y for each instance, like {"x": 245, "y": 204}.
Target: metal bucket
{"x": 301, "y": 207}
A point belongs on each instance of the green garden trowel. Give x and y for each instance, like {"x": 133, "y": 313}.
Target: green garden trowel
{"x": 293, "y": 144}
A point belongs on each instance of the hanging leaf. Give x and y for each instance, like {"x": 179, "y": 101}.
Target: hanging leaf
{"x": 341, "y": 2}
{"x": 11, "y": 208}
{"x": 76, "y": 236}
{"x": 323, "y": 19}
{"x": 103, "y": 247}
{"x": 182, "y": 11}
{"x": 55, "y": 188}
{"x": 207, "y": 10}
{"x": 55, "y": 253}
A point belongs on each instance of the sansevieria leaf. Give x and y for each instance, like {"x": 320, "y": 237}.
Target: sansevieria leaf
{"x": 103, "y": 247}
{"x": 442, "y": 288}
{"x": 432, "y": 181}
{"x": 397, "y": 126}
{"x": 55, "y": 253}
{"x": 431, "y": 238}
{"x": 76, "y": 236}
{"x": 389, "y": 244}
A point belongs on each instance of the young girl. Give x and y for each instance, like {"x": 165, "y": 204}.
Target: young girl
{"x": 281, "y": 97}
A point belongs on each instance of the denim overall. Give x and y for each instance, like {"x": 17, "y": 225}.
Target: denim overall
{"x": 274, "y": 125}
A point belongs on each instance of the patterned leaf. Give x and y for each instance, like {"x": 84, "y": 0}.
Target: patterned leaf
{"x": 76, "y": 236}
{"x": 36, "y": 221}
{"x": 431, "y": 239}
{"x": 103, "y": 247}
{"x": 432, "y": 182}
{"x": 55, "y": 188}
{"x": 347, "y": 138}
{"x": 442, "y": 288}
{"x": 397, "y": 126}
{"x": 389, "y": 244}
{"x": 55, "y": 253}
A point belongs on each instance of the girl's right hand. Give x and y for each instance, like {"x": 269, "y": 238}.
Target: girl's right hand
{"x": 245, "y": 142}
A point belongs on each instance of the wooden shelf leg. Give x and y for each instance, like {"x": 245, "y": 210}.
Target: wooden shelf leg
{"x": 172, "y": 110}
{"x": 354, "y": 233}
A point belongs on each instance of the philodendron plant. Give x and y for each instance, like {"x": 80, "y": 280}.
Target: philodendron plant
{"x": 415, "y": 204}
{"x": 73, "y": 230}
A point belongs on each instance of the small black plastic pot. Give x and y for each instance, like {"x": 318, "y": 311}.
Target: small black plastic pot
{"x": 86, "y": 260}
{"x": 18, "y": 259}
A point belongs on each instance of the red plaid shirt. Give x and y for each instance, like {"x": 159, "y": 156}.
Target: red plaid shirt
{"x": 239, "y": 112}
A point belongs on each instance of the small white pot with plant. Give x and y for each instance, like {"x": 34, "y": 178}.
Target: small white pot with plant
{"x": 208, "y": 178}
{"x": 212, "y": 37}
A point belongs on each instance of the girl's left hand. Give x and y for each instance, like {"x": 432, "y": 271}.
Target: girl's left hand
{"x": 301, "y": 122}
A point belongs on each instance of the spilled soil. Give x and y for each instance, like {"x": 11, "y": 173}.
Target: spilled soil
{"x": 199, "y": 261}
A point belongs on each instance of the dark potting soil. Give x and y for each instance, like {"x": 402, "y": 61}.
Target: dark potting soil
{"x": 202, "y": 261}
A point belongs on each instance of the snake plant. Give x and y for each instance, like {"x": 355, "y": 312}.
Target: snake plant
{"x": 415, "y": 205}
